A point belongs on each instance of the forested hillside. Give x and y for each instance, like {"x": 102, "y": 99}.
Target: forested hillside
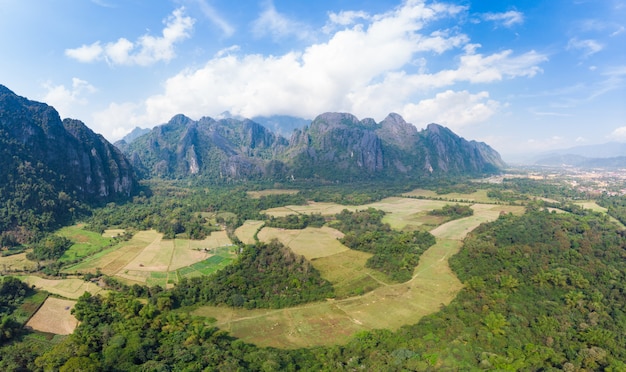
{"x": 543, "y": 291}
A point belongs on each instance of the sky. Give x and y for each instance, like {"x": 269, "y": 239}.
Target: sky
{"x": 523, "y": 76}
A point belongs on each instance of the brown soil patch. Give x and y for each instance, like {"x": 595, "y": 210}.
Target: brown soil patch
{"x": 54, "y": 316}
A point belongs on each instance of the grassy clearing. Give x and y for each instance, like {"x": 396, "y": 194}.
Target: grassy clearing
{"x": 387, "y": 306}
{"x": 592, "y": 205}
{"x": 68, "y": 288}
{"x": 402, "y": 213}
{"x": 85, "y": 242}
{"x": 310, "y": 242}
{"x": 248, "y": 230}
{"x": 335, "y": 321}
{"x": 259, "y": 194}
{"x": 54, "y": 316}
{"x": 17, "y": 263}
{"x": 457, "y": 229}
{"x": 480, "y": 196}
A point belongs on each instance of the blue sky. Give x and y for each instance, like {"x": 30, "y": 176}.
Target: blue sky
{"x": 523, "y": 76}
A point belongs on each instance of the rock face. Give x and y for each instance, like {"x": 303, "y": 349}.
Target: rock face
{"x": 334, "y": 146}
{"x": 223, "y": 149}
{"x": 65, "y": 155}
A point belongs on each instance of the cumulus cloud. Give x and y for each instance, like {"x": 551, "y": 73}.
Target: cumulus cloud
{"x": 452, "y": 109}
{"x": 587, "y": 46}
{"x": 619, "y": 134}
{"x": 370, "y": 68}
{"x": 66, "y": 100}
{"x": 506, "y": 19}
{"x": 145, "y": 51}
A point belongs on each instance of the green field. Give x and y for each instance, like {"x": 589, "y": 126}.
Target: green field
{"x": 85, "y": 242}
{"x": 149, "y": 259}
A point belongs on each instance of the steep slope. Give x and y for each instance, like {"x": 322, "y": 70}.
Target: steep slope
{"x": 222, "y": 149}
{"x": 339, "y": 146}
{"x": 47, "y": 165}
{"x": 334, "y": 146}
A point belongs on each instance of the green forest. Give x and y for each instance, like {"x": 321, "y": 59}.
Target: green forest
{"x": 542, "y": 291}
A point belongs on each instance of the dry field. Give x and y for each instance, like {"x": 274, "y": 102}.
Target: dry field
{"x": 149, "y": 259}
{"x": 68, "y": 288}
{"x": 480, "y": 196}
{"x": 311, "y": 242}
{"x": 248, "y": 230}
{"x": 54, "y": 316}
{"x": 259, "y": 194}
{"x": 388, "y": 306}
{"x": 16, "y": 262}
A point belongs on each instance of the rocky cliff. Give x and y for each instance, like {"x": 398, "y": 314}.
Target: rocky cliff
{"x": 334, "y": 146}
{"x": 43, "y": 158}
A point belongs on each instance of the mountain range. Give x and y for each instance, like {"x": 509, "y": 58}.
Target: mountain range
{"x": 332, "y": 147}
{"x": 611, "y": 155}
{"x": 50, "y": 166}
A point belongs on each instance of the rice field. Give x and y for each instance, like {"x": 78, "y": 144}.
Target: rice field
{"x": 149, "y": 259}
{"x": 85, "y": 242}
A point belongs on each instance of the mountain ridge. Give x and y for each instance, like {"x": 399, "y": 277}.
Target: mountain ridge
{"x": 333, "y": 146}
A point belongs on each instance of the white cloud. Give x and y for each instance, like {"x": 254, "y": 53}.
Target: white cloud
{"x": 452, "y": 109}
{"x": 619, "y": 134}
{"x": 369, "y": 69}
{"x": 214, "y": 17}
{"x": 277, "y": 25}
{"x": 86, "y": 53}
{"x": 145, "y": 51}
{"x": 588, "y": 46}
{"x": 507, "y": 19}
{"x": 66, "y": 100}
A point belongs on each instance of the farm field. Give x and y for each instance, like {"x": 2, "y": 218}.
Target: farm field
{"x": 387, "y": 306}
{"x": 68, "y": 288}
{"x": 260, "y": 193}
{"x": 16, "y": 262}
{"x": 246, "y": 232}
{"x": 592, "y": 205}
{"x": 54, "y": 316}
{"x": 85, "y": 242}
{"x": 149, "y": 259}
{"x": 402, "y": 213}
{"x": 480, "y": 196}
{"x": 311, "y": 242}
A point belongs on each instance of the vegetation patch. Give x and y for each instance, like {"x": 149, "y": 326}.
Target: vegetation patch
{"x": 265, "y": 275}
